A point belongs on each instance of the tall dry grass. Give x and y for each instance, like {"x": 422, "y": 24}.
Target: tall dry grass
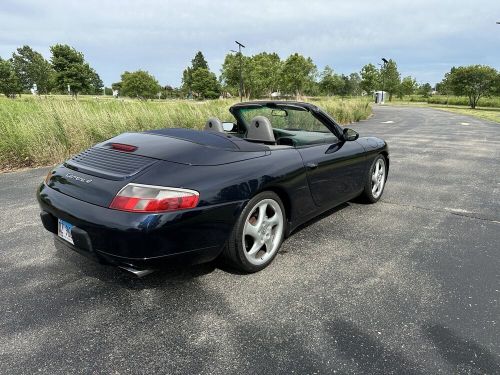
{"x": 42, "y": 131}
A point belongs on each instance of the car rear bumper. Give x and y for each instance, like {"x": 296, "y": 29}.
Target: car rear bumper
{"x": 136, "y": 239}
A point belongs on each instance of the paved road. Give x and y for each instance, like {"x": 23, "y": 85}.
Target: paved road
{"x": 409, "y": 285}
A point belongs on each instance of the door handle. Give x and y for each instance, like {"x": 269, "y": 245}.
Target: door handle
{"x": 311, "y": 165}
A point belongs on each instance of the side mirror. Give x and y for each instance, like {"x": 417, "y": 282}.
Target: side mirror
{"x": 227, "y": 126}
{"x": 350, "y": 135}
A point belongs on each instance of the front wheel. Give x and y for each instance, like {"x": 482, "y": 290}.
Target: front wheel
{"x": 375, "y": 180}
{"x": 258, "y": 234}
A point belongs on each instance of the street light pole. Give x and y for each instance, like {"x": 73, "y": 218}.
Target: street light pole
{"x": 241, "y": 69}
{"x": 383, "y": 78}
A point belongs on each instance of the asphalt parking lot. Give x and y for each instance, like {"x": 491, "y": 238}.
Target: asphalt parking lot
{"x": 409, "y": 285}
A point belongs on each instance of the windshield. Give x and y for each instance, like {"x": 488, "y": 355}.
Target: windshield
{"x": 285, "y": 118}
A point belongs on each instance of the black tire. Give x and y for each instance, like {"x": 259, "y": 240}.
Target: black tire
{"x": 234, "y": 250}
{"x": 368, "y": 195}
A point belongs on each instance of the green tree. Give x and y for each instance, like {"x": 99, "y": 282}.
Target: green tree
{"x": 116, "y": 86}
{"x": 9, "y": 82}
{"x": 32, "y": 68}
{"x": 230, "y": 74}
{"x": 263, "y": 74}
{"x": 425, "y": 89}
{"x": 297, "y": 73}
{"x": 443, "y": 87}
{"x": 496, "y": 86}
{"x": 354, "y": 84}
{"x": 408, "y": 86}
{"x": 390, "y": 78}
{"x": 345, "y": 88}
{"x": 205, "y": 84}
{"x": 95, "y": 83}
{"x": 198, "y": 62}
{"x": 370, "y": 78}
{"x": 474, "y": 81}
{"x": 187, "y": 80}
{"x": 139, "y": 84}
{"x": 71, "y": 69}
{"x": 330, "y": 83}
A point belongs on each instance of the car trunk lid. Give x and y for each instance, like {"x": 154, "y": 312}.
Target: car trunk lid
{"x": 98, "y": 173}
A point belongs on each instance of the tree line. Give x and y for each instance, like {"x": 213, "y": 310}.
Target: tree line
{"x": 263, "y": 75}
{"x": 67, "y": 71}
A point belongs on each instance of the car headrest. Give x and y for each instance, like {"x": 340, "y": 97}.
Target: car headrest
{"x": 214, "y": 125}
{"x": 261, "y": 130}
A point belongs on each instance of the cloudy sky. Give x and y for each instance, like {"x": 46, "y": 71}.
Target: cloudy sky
{"x": 425, "y": 37}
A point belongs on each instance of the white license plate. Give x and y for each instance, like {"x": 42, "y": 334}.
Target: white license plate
{"x": 64, "y": 230}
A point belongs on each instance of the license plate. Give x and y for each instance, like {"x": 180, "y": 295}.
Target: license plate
{"x": 64, "y": 230}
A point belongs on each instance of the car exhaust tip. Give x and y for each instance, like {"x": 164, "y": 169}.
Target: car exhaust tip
{"x": 136, "y": 272}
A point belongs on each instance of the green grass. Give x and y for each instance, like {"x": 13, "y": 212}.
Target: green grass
{"x": 486, "y": 113}
{"x": 490, "y": 114}
{"x": 47, "y": 130}
{"x": 489, "y": 102}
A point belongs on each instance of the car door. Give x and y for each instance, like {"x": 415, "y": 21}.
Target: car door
{"x": 335, "y": 171}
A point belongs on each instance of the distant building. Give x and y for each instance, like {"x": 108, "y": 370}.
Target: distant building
{"x": 380, "y": 96}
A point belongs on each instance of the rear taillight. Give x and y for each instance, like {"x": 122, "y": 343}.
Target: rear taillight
{"x": 147, "y": 198}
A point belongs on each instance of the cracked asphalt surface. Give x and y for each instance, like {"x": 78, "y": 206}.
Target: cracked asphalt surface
{"x": 408, "y": 285}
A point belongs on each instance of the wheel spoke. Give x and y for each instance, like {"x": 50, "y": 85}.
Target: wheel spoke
{"x": 274, "y": 220}
{"x": 374, "y": 177}
{"x": 251, "y": 230}
{"x": 257, "y": 245}
{"x": 375, "y": 188}
{"x": 262, "y": 214}
{"x": 269, "y": 244}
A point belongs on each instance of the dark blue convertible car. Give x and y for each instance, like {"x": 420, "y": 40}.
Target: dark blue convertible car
{"x": 233, "y": 190}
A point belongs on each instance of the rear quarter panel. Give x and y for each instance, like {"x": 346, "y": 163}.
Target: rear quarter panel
{"x": 282, "y": 170}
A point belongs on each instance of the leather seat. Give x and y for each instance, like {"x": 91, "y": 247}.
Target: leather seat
{"x": 260, "y": 131}
{"x": 214, "y": 125}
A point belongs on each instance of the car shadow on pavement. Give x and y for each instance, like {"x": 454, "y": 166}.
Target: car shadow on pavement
{"x": 174, "y": 273}
{"x": 321, "y": 217}
{"x": 113, "y": 275}
{"x": 465, "y": 355}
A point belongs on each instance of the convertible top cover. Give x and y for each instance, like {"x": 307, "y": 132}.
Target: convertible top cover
{"x": 211, "y": 139}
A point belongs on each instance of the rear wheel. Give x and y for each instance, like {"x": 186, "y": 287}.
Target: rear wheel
{"x": 375, "y": 180}
{"x": 258, "y": 234}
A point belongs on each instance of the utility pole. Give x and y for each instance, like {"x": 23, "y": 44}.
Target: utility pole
{"x": 383, "y": 78}
{"x": 241, "y": 69}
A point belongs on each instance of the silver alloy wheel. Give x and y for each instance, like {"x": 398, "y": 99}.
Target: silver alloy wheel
{"x": 378, "y": 178}
{"x": 262, "y": 231}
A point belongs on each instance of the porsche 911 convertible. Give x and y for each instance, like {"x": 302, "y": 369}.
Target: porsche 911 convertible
{"x": 233, "y": 190}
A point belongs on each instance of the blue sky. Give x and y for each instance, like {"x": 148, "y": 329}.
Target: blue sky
{"x": 426, "y": 38}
